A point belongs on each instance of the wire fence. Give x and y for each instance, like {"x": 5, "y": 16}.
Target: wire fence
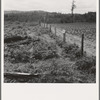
{"x": 63, "y": 34}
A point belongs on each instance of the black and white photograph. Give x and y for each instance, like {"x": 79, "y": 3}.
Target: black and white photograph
{"x": 50, "y": 41}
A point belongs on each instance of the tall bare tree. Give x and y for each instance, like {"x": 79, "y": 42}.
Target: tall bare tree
{"x": 72, "y": 10}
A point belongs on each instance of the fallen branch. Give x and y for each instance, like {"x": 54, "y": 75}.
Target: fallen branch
{"x": 20, "y": 75}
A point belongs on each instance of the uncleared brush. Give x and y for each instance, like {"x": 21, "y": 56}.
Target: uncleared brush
{"x": 41, "y": 31}
{"x": 92, "y": 70}
{"x": 57, "y": 74}
{"x": 39, "y": 51}
{"x": 86, "y": 63}
{"x": 69, "y": 48}
{"x": 15, "y": 35}
{"x": 72, "y": 51}
{"x": 59, "y": 41}
{"x": 20, "y": 56}
{"x": 44, "y": 50}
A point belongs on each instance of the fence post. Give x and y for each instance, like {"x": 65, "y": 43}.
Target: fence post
{"x": 45, "y": 25}
{"x": 82, "y": 44}
{"x": 48, "y": 25}
{"x": 64, "y": 37}
{"x": 55, "y": 30}
{"x": 39, "y": 23}
{"x": 50, "y": 28}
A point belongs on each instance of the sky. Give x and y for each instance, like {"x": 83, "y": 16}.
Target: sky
{"x": 62, "y": 6}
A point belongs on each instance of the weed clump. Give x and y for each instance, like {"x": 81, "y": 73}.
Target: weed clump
{"x": 72, "y": 51}
{"x": 87, "y": 63}
{"x": 44, "y": 50}
{"x": 20, "y": 56}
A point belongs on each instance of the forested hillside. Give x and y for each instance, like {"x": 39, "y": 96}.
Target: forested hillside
{"x": 50, "y": 17}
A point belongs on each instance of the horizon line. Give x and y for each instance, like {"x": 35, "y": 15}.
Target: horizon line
{"x": 47, "y": 11}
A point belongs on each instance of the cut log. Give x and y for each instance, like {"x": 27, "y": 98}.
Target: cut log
{"x": 20, "y": 75}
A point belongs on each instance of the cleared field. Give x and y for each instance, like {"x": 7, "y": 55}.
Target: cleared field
{"x": 89, "y": 29}
{"x": 74, "y": 33}
{"x": 30, "y": 48}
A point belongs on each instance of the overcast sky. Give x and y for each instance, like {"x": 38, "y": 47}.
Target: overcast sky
{"x": 63, "y": 6}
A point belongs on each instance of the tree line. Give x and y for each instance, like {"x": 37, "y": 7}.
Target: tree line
{"x": 54, "y": 17}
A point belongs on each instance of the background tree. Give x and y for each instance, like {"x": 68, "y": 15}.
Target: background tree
{"x": 72, "y": 10}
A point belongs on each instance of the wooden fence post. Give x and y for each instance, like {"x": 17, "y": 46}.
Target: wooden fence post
{"x": 55, "y": 30}
{"x": 50, "y": 28}
{"x": 64, "y": 37}
{"x": 45, "y": 25}
{"x": 42, "y": 24}
{"x": 82, "y": 44}
{"x": 39, "y": 23}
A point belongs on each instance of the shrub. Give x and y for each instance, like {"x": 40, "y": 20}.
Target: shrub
{"x": 72, "y": 51}
{"x": 92, "y": 70}
{"x": 59, "y": 41}
{"x": 20, "y": 56}
{"x": 44, "y": 50}
{"x": 86, "y": 63}
{"x": 70, "y": 48}
{"x": 43, "y": 30}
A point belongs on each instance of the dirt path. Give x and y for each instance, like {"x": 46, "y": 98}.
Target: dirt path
{"x": 89, "y": 46}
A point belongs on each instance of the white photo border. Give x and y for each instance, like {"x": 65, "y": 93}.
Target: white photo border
{"x": 30, "y": 91}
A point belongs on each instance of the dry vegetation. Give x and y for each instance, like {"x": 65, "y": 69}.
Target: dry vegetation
{"x": 30, "y": 48}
